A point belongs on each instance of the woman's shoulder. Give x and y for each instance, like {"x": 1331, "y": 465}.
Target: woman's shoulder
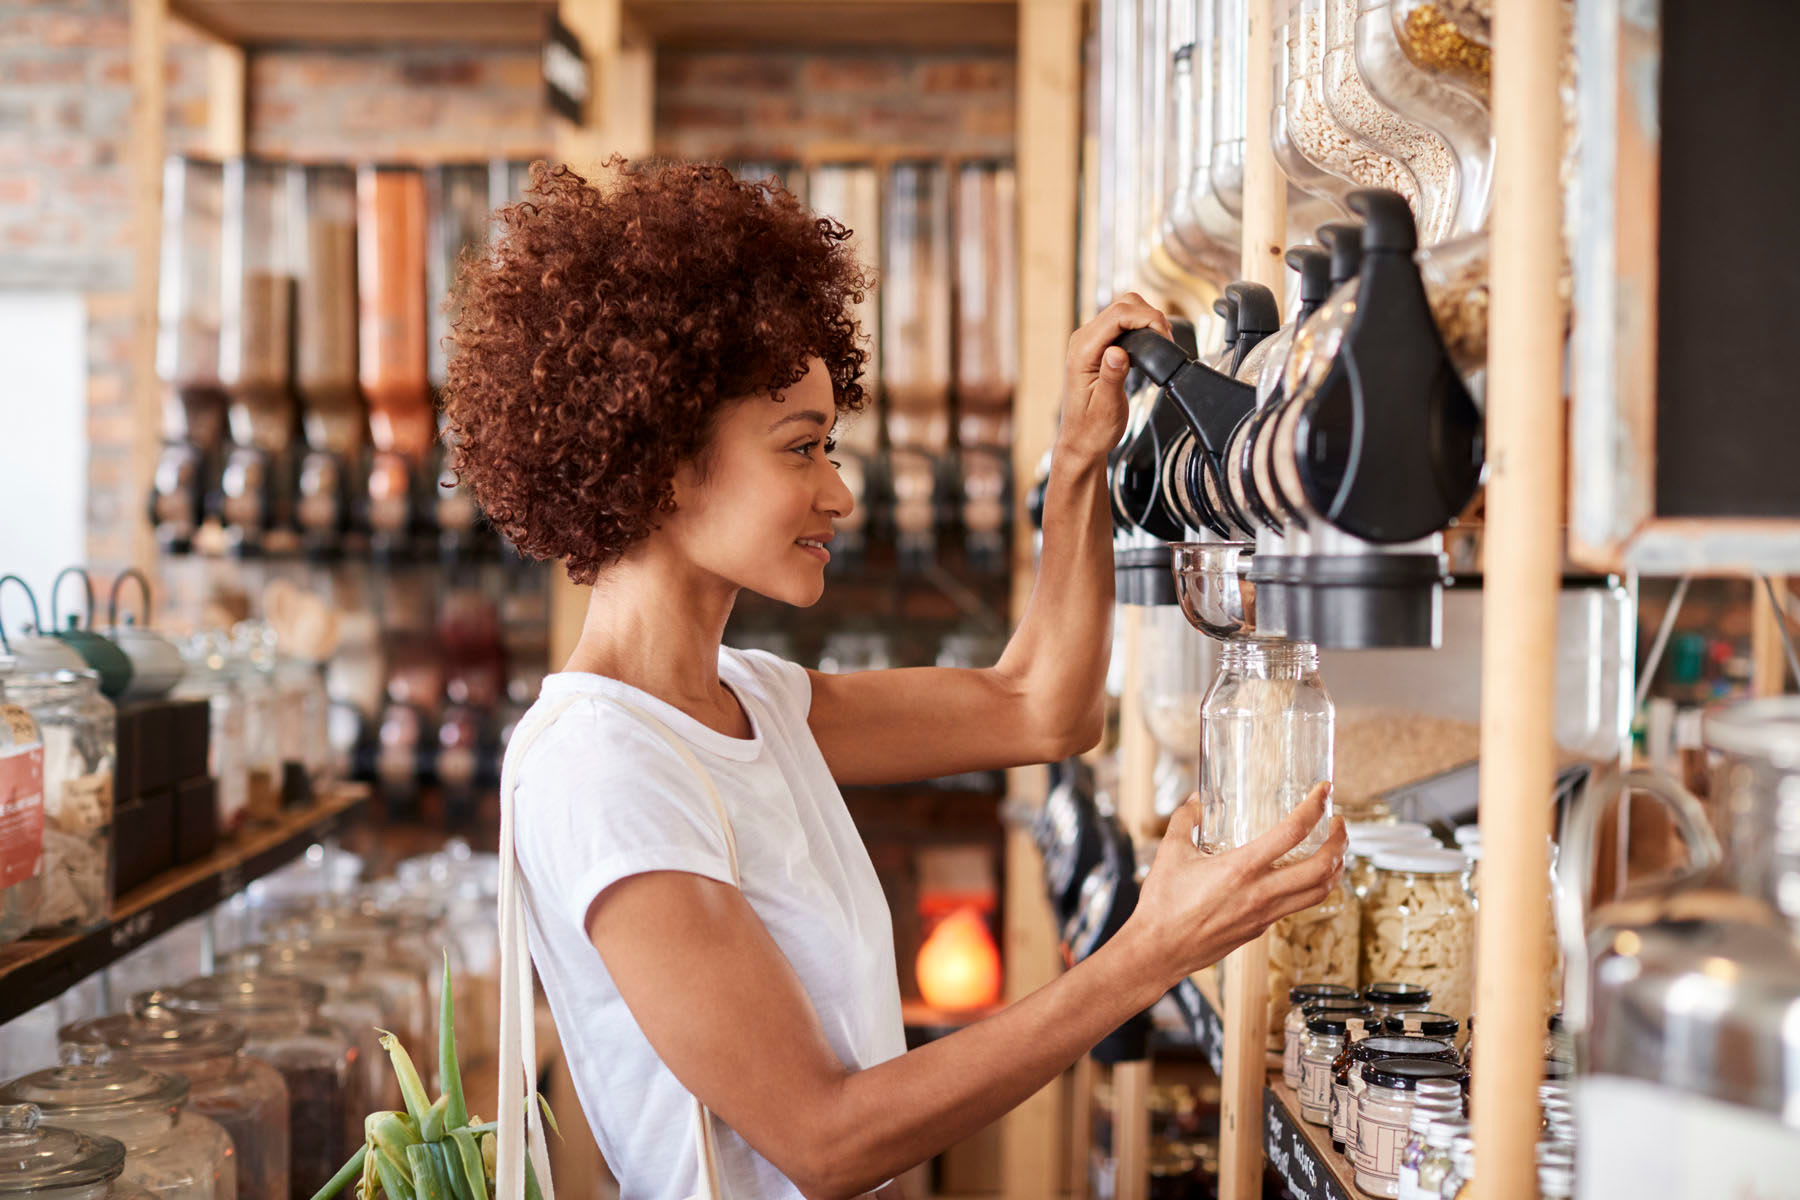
{"x": 584, "y": 734}
{"x": 775, "y": 680}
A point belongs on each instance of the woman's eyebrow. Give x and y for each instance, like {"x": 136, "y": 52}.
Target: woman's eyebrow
{"x": 805, "y": 414}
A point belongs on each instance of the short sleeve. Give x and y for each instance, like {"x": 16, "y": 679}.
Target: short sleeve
{"x": 786, "y": 681}
{"x": 601, "y": 798}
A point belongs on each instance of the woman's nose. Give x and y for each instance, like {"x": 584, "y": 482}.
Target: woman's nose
{"x": 837, "y": 498}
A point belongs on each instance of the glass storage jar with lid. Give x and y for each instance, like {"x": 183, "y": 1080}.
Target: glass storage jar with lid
{"x": 39, "y": 1161}
{"x": 1265, "y": 742}
{"x": 78, "y": 729}
{"x": 174, "y": 1154}
{"x": 21, "y": 842}
{"x": 317, "y": 1060}
{"x": 253, "y": 662}
{"x": 1391, "y": 1089}
{"x": 359, "y": 1007}
{"x": 1293, "y": 1026}
{"x": 244, "y": 1095}
{"x": 391, "y": 969}
{"x": 212, "y": 677}
{"x": 1390, "y": 997}
{"x": 1365, "y": 838}
{"x": 1318, "y": 943}
{"x": 1419, "y": 927}
{"x": 1349, "y": 1071}
{"x": 1422, "y": 1023}
{"x": 1327, "y": 1033}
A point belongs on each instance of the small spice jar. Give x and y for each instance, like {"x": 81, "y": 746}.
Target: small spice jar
{"x": 1360, "y": 1054}
{"x": 1294, "y": 1026}
{"x": 1384, "y": 1118}
{"x": 1433, "y": 1100}
{"x": 1462, "y": 1168}
{"x": 1390, "y": 999}
{"x": 174, "y": 1154}
{"x": 1327, "y": 1034}
{"x": 317, "y": 1060}
{"x": 1435, "y": 1166}
{"x": 244, "y": 1095}
{"x": 41, "y": 1162}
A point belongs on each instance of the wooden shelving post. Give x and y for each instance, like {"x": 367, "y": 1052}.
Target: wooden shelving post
{"x": 1524, "y": 553}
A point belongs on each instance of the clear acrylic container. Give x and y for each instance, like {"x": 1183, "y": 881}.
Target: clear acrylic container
{"x": 1265, "y": 741}
{"x": 391, "y": 343}
{"x": 1231, "y": 40}
{"x": 1314, "y": 130}
{"x": 1318, "y": 945}
{"x": 78, "y": 728}
{"x": 1455, "y": 274}
{"x": 253, "y": 664}
{"x": 1419, "y": 927}
{"x": 21, "y": 848}
{"x": 39, "y": 1161}
{"x": 171, "y": 1153}
{"x": 456, "y": 198}
{"x": 1301, "y": 171}
{"x": 1202, "y": 222}
{"x": 212, "y": 676}
{"x": 851, "y": 193}
{"x": 245, "y": 1096}
{"x": 317, "y": 1060}
{"x": 1425, "y": 154}
{"x": 1182, "y": 242}
{"x": 323, "y": 202}
{"x": 188, "y": 308}
{"x": 256, "y": 328}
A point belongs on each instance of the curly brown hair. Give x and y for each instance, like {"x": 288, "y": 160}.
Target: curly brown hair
{"x": 600, "y": 335}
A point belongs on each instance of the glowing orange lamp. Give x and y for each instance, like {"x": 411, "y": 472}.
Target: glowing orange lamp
{"x": 959, "y": 965}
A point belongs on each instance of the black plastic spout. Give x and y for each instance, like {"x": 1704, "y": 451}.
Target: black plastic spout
{"x": 1314, "y": 267}
{"x": 1344, "y": 243}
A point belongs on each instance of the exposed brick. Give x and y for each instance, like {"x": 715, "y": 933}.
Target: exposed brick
{"x": 690, "y": 116}
{"x": 454, "y": 72}
{"x": 966, "y": 75}
{"x": 864, "y": 74}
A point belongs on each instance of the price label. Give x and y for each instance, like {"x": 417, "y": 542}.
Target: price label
{"x": 132, "y": 930}
{"x": 1292, "y": 1157}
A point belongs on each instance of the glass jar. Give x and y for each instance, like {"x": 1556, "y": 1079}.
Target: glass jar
{"x": 392, "y": 969}
{"x": 1556, "y": 1180}
{"x": 1293, "y": 1025}
{"x": 188, "y": 309}
{"x": 356, "y": 1006}
{"x": 1391, "y": 998}
{"x": 22, "y": 834}
{"x": 1326, "y": 1035}
{"x": 213, "y": 677}
{"x": 244, "y": 1095}
{"x": 1318, "y": 943}
{"x": 1384, "y": 1116}
{"x": 1434, "y": 1100}
{"x": 253, "y": 663}
{"x": 1434, "y": 1164}
{"x": 182, "y": 1156}
{"x": 42, "y": 1162}
{"x": 1373, "y": 1048}
{"x": 317, "y": 1060}
{"x": 78, "y": 730}
{"x": 1462, "y": 1168}
{"x": 1455, "y": 274}
{"x": 1366, "y": 837}
{"x": 1265, "y": 742}
{"x": 1419, "y": 926}
{"x": 1316, "y": 132}
{"x": 1299, "y": 170}
{"x": 916, "y": 323}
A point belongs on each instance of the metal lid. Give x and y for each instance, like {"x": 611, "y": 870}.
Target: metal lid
{"x": 92, "y": 1082}
{"x": 1428, "y": 1024}
{"x": 235, "y": 991}
{"x": 1357, "y": 830}
{"x": 294, "y": 958}
{"x": 1404, "y": 1074}
{"x": 1423, "y": 860}
{"x": 1370, "y": 1049}
{"x": 1445, "y": 1130}
{"x": 1304, "y": 993}
{"x": 1765, "y": 729}
{"x": 1331, "y": 1020}
{"x": 1393, "y": 992}
{"x": 158, "y": 1034}
{"x": 38, "y": 1158}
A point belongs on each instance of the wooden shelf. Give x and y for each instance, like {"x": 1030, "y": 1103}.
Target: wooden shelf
{"x": 40, "y": 969}
{"x": 261, "y": 23}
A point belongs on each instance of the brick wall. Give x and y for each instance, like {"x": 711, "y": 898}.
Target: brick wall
{"x": 65, "y": 99}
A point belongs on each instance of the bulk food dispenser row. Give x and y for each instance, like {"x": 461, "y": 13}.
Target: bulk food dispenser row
{"x": 1316, "y": 582}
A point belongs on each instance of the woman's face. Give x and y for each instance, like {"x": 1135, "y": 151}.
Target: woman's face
{"x": 768, "y": 490}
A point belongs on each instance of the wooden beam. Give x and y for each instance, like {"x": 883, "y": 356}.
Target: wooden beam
{"x": 227, "y": 100}
{"x": 1768, "y": 650}
{"x": 1048, "y": 133}
{"x": 1131, "y": 1130}
{"x": 149, "y": 54}
{"x": 1523, "y": 568}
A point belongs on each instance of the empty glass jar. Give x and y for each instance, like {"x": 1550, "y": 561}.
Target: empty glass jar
{"x": 41, "y": 1162}
{"x": 244, "y": 1095}
{"x": 1265, "y": 741}
{"x": 171, "y": 1153}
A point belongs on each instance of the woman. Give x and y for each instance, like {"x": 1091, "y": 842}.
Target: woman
{"x": 645, "y": 384}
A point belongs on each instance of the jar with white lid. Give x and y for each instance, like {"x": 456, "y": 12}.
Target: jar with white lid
{"x": 1419, "y": 926}
{"x": 1370, "y": 1049}
{"x": 1435, "y": 1166}
{"x": 1293, "y": 1026}
{"x": 244, "y": 1095}
{"x": 171, "y": 1153}
{"x": 1434, "y": 1100}
{"x": 39, "y": 1161}
{"x": 1384, "y": 1115}
{"x": 1364, "y": 838}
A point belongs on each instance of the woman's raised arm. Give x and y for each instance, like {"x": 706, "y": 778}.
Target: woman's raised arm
{"x": 725, "y": 1012}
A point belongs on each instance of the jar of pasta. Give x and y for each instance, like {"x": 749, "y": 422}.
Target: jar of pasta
{"x": 1319, "y": 944}
{"x": 1293, "y": 1026}
{"x": 1365, "y": 838}
{"x": 1419, "y": 926}
{"x": 1390, "y": 998}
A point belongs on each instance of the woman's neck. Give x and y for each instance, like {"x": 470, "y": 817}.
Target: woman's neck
{"x": 657, "y": 626}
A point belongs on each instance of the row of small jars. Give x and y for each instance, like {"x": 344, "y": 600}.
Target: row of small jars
{"x": 1437, "y": 1161}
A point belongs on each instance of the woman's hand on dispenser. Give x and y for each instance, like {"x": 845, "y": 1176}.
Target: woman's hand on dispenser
{"x": 1195, "y": 908}
{"x": 1094, "y": 400}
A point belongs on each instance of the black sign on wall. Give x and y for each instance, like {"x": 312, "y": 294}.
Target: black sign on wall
{"x": 568, "y": 81}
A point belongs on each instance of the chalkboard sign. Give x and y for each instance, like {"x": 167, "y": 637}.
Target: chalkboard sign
{"x": 1687, "y": 301}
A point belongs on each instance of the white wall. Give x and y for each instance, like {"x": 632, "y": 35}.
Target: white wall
{"x": 43, "y": 442}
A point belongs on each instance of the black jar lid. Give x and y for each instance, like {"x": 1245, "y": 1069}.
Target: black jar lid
{"x": 1418, "y": 1021}
{"x": 1558, "y": 1068}
{"x": 1372, "y": 1048}
{"x": 1307, "y": 993}
{"x": 1344, "y": 1008}
{"x": 1397, "y": 993}
{"x": 1404, "y": 1074}
{"x": 1332, "y": 1020}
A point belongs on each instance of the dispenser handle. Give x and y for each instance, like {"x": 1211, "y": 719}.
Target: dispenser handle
{"x": 1226, "y": 307}
{"x": 1153, "y": 354}
{"x": 1388, "y": 226}
{"x": 1257, "y": 309}
{"x": 1343, "y": 246}
{"x": 1576, "y": 877}
{"x": 1314, "y": 268}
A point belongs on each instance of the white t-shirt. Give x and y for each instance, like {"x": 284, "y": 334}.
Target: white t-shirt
{"x": 601, "y": 796}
